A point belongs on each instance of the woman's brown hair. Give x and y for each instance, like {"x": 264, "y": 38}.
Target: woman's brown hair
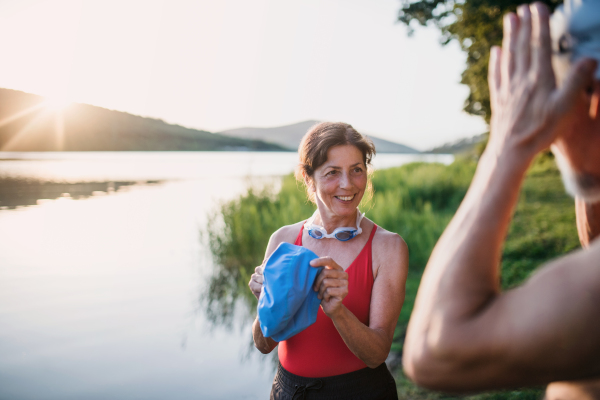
{"x": 323, "y": 136}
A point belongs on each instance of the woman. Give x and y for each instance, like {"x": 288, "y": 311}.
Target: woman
{"x": 361, "y": 288}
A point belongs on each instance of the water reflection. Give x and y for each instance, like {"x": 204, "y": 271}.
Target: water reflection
{"x": 15, "y": 191}
{"x": 228, "y": 298}
{"x": 226, "y": 301}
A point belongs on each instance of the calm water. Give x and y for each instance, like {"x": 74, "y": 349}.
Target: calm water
{"x": 103, "y": 272}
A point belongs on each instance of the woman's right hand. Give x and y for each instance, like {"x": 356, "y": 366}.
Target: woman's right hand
{"x": 332, "y": 285}
{"x": 256, "y": 281}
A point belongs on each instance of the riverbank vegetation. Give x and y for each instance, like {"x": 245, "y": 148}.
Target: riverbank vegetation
{"x": 415, "y": 200}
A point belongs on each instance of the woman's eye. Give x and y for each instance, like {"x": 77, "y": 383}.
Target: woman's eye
{"x": 358, "y": 170}
{"x": 331, "y": 173}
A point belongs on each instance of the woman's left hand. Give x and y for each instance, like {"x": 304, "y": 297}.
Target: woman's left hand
{"x": 332, "y": 285}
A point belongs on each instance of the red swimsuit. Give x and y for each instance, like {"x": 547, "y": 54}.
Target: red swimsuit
{"x": 319, "y": 350}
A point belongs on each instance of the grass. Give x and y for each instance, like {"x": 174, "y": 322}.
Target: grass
{"x": 417, "y": 201}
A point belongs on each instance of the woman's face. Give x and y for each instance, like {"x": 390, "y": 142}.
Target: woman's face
{"x": 340, "y": 183}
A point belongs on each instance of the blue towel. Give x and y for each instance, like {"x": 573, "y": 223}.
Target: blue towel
{"x": 288, "y": 304}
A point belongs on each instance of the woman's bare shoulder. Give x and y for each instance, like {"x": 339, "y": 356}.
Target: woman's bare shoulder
{"x": 287, "y": 233}
{"x": 384, "y": 238}
{"x": 389, "y": 249}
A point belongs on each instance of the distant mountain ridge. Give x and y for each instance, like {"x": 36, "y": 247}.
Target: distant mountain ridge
{"x": 27, "y": 123}
{"x": 460, "y": 146}
{"x": 289, "y": 136}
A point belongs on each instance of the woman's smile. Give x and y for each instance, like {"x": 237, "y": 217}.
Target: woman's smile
{"x": 346, "y": 199}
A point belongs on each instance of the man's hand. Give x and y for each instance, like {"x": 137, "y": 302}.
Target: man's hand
{"x": 527, "y": 107}
{"x": 332, "y": 285}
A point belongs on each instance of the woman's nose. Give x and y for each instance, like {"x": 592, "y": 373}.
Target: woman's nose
{"x": 344, "y": 181}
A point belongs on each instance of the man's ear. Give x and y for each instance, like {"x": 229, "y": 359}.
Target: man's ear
{"x": 595, "y": 102}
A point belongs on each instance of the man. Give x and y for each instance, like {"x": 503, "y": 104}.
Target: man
{"x": 467, "y": 335}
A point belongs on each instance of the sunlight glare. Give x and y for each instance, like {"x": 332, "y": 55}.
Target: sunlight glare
{"x": 56, "y": 103}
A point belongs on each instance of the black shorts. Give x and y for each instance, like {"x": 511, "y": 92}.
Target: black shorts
{"x": 367, "y": 383}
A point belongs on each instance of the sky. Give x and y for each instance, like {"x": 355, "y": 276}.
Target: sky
{"x": 217, "y": 65}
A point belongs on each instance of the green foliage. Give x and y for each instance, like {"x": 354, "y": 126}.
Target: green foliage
{"x": 415, "y": 200}
{"x": 543, "y": 226}
{"x": 477, "y": 26}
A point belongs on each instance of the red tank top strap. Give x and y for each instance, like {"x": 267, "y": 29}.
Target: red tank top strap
{"x": 371, "y": 236}
{"x": 298, "y": 241}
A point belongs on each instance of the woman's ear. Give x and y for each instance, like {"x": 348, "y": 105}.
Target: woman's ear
{"x": 308, "y": 181}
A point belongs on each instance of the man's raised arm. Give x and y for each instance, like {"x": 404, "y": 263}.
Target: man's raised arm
{"x": 465, "y": 334}
{"x": 588, "y": 220}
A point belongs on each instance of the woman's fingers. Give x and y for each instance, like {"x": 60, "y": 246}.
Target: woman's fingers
{"x": 255, "y": 288}
{"x": 259, "y": 278}
{"x": 256, "y": 281}
{"x": 332, "y": 270}
{"x": 326, "y": 262}
{"x": 334, "y": 292}
{"x": 331, "y": 283}
{"x": 509, "y": 47}
{"x": 522, "y": 62}
{"x": 329, "y": 274}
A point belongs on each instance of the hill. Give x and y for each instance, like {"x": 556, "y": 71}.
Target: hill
{"x": 462, "y": 146}
{"x": 290, "y": 135}
{"x": 29, "y": 123}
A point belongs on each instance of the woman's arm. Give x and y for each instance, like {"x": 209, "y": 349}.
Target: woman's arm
{"x": 285, "y": 234}
{"x": 370, "y": 343}
{"x": 264, "y": 344}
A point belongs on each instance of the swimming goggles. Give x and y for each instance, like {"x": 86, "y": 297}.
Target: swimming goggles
{"x": 342, "y": 234}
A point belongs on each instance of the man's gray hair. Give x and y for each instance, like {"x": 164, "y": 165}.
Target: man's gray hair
{"x": 575, "y": 31}
{"x": 578, "y": 184}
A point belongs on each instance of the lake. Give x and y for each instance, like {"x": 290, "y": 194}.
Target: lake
{"x": 104, "y": 270}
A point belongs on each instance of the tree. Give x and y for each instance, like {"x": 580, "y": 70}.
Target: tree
{"x": 477, "y": 26}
